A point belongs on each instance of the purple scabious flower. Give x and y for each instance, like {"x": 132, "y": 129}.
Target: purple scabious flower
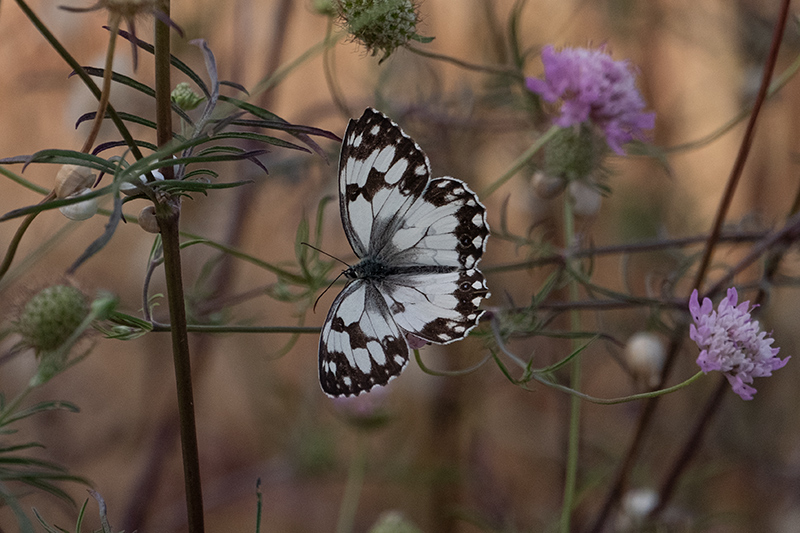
{"x": 593, "y": 87}
{"x": 732, "y": 343}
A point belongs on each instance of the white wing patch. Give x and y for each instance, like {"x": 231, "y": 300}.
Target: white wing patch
{"x": 418, "y": 240}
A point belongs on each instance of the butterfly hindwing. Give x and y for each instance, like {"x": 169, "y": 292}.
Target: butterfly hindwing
{"x": 361, "y": 345}
{"x": 440, "y": 307}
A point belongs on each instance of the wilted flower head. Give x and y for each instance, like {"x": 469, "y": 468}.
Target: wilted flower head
{"x": 732, "y": 343}
{"x": 381, "y": 25}
{"x": 593, "y": 87}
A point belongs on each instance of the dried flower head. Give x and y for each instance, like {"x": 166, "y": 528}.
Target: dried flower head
{"x": 732, "y": 343}
{"x": 594, "y": 88}
{"x": 381, "y": 25}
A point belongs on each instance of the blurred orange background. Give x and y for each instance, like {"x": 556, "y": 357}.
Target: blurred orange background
{"x": 470, "y": 453}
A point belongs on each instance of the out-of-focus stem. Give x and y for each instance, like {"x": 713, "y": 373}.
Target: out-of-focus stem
{"x": 105, "y": 95}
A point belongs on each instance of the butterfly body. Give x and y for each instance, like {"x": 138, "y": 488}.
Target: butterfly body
{"x": 419, "y": 241}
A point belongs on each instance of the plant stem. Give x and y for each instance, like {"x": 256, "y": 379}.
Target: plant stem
{"x": 573, "y": 443}
{"x": 352, "y": 491}
{"x": 106, "y": 93}
{"x": 520, "y": 162}
{"x": 747, "y": 142}
{"x": 168, "y": 216}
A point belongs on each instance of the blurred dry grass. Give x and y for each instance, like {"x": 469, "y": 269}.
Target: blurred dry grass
{"x": 492, "y": 448}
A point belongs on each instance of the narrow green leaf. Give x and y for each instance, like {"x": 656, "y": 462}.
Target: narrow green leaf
{"x": 100, "y": 242}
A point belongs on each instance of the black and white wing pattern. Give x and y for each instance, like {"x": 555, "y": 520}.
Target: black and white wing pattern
{"x": 419, "y": 241}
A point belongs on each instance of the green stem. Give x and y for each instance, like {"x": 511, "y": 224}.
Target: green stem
{"x": 352, "y": 491}
{"x": 573, "y": 443}
{"x": 168, "y": 216}
{"x": 519, "y": 163}
{"x": 14, "y": 244}
{"x": 12, "y": 406}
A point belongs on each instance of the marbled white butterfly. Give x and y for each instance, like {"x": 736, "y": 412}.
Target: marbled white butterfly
{"x": 419, "y": 241}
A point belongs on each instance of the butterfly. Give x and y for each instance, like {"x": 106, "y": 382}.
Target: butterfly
{"x": 419, "y": 241}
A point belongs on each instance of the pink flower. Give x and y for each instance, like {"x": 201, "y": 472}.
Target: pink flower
{"x": 732, "y": 343}
{"x": 593, "y": 87}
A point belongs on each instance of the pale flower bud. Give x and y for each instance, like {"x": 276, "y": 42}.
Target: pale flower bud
{"x": 129, "y": 189}
{"x": 147, "y": 219}
{"x": 80, "y": 210}
{"x": 645, "y": 355}
{"x": 71, "y": 179}
{"x": 636, "y": 506}
{"x": 547, "y": 186}
{"x": 585, "y": 198}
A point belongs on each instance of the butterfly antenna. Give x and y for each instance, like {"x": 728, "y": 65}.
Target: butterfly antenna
{"x": 323, "y": 252}
{"x": 314, "y": 309}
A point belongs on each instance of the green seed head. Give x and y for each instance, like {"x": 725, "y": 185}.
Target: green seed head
{"x": 382, "y": 25}
{"x": 574, "y": 153}
{"x": 51, "y": 316}
{"x": 185, "y": 97}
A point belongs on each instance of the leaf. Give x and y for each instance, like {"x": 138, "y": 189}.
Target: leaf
{"x": 41, "y": 407}
{"x": 260, "y": 138}
{"x": 100, "y": 242}
{"x": 211, "y": 67}
{"x": 183, "y": 186}
{"x": 116, "y": 144}
{"x": 174, "y": 61}
{"x": 63, "y": 157}
{"x": 281, "y": 124}
{"x": 137, "y": 86}
{"x": 123, "y": 116}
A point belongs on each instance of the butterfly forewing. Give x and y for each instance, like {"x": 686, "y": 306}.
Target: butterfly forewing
{"x": 419, "y": 241}
{"x": 381, "y": 172}
{"x": 446, "y": 226}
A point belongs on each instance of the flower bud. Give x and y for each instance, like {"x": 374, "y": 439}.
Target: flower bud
{"x": 547, "y": 186}
{"x": 645, "y": 355}
{"x": 324, "y": 7}
{"x": 71, "y": 179}
{"x": 394, "y": 522}
{"x": 147, "y": 219}
{"x": 636, "y": 506}
{"x": 103, "y": 305}
{"x": 80, "y": 210}
{"x": 586, "y": 199}
{"x": 129, "y": 189}
{"x": 51, "y": 317}
{"x": 184, "y": 97}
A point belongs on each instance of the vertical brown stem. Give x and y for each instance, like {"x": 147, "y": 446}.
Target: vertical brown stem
{"x": 168, "y": 216}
